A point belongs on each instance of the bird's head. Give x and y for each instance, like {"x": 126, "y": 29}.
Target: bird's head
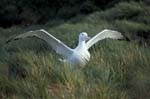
{"x": 83, "y": 36}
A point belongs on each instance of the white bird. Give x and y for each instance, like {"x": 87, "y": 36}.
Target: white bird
{"x": 78, "y": 56}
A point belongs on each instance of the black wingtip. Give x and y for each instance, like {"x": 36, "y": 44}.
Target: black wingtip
{"x": 7, "y": 41}
{"x": 11, "y": 39}
{"x": 126, "y": 38}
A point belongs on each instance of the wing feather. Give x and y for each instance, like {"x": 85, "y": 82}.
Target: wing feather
{"x": 103, "y": 35}
{"x": 56, "y": 44}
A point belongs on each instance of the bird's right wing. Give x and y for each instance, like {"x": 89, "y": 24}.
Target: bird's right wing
{"x": 103, "y": 35}
{"x": 56, "y": 44}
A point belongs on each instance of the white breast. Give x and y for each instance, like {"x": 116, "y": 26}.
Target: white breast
{"x": 79, "y": 57}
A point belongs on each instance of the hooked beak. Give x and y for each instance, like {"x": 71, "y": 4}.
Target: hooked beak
{"x": 88, "y": 38}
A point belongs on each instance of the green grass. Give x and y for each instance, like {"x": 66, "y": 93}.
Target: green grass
{"x": 117, "y": 69}
{"x": 29, "y": 69}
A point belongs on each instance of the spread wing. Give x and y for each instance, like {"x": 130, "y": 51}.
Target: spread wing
{"x": 103, "y": 35}
{"x": 56, "y": 44}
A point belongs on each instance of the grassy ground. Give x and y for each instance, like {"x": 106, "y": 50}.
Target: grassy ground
{"x": 117, "y": 69}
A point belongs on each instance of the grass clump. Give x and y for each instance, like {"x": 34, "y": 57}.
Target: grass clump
{"x": 116, "y": 70}
{"x": 29, "y": 68}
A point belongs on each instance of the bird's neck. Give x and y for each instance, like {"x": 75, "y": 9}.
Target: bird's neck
{"x": 81, "y": 45}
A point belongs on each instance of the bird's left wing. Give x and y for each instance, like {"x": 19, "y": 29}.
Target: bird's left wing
{"x": 56, "y": 44}
{"x": 103, "y": 35}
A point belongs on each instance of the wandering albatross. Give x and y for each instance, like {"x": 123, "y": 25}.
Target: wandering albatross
{"x": 77, "y": 56}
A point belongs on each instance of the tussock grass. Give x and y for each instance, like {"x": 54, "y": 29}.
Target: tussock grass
{"x": 116, "y": 70}
{"x": 29, "y": 68}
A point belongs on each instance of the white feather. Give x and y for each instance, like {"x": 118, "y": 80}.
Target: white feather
{"x": 103, "y": 35}
{"x": 56, "y": 44}
{"x": 78, "y": 56}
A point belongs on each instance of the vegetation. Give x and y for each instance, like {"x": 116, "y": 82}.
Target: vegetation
{"x": 28, "y": 12}
{"x": 29, "y": 68}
